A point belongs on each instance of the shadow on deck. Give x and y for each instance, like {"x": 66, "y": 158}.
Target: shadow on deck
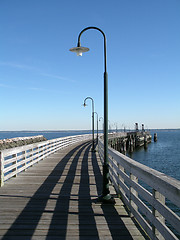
{"x": 56, "y": 200}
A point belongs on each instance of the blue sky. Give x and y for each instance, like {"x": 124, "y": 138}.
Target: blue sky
{"x": 43, "y": 85}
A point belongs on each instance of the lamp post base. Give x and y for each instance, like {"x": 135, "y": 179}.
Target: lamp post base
{"x": 107, "y": 199}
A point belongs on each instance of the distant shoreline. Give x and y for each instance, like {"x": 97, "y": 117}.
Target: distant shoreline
{"x": 153, "y": 129}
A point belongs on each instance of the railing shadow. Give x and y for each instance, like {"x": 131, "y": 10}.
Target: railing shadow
{"x": 87, "y": 222}
{"x": 58, "y": 225}
{"x": 112, "y": 217}
{"x": 35, "y": 208}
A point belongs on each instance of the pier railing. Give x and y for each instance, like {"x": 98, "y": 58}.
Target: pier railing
{"x": 15, "y": 160}
{"x": 147, "y": 194}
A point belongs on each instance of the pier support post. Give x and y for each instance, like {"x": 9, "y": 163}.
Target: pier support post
{"x": 124, "y": 146}
{"x": 131, "y": 145}
{"x": 155, "y": 137}
{"x": 145, "y": 142}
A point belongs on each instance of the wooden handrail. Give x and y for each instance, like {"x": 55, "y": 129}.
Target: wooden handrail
{"x": 146, "y": 192}
{"x": 15, "y": 160}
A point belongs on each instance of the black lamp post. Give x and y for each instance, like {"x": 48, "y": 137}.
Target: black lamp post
{"x": 106, "y": 196}
{"x": 103, "y": 122}
{"x": 93, "y": 148}
{"x": 97, "y": 125}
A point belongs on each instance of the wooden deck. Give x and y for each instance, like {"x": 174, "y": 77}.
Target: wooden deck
{"x": 56, "y": 199}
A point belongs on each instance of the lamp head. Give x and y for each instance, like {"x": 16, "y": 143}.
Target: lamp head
{"x": 79, "y": 50}
{"x": 84, "y": 104}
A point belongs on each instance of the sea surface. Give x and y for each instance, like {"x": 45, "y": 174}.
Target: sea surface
{"x": 163, "y": 155}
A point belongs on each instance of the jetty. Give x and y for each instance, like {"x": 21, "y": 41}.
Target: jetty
{"x": 50, "y": 189}
{"x": 129, "y": 141}
{"x": 20, "y": 141}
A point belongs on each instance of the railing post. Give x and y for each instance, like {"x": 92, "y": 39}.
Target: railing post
{"x": 111, "y": 168}
{"x": 15, "y": 162}
{"x": 24, "y": 158}
{"x": 158, "y": 196}
{"x": 31, "y": 156}
{"x": 43, "y": 151}
{"x": 121, "y": 179}
{"x": 39, "y": 153}
{"x": 1, "y": 169}
{"x": 134, "y": 192}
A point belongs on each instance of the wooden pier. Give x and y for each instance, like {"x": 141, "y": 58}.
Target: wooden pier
{"x": 57, "y": 199}
{"x": 128, "y": 141}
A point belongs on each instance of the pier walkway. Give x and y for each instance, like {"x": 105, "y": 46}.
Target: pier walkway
{"x": 57, "y": 199}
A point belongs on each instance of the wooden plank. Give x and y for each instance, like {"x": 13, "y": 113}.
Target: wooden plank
{"x": 56, "y": 199}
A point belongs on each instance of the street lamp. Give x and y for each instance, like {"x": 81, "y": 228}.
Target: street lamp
{"x": 103, "y": 122}
{"x": 106, "y": 196}
{"x": 109, "y": 126}
{"x": 97, "y": 126}
{"x": 92, "y": 119}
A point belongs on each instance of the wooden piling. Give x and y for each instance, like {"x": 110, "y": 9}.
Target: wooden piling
{"x": 155, "y": 137}
{"x": 145, "y": 142}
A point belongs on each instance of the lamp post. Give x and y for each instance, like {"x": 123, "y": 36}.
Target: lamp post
{"x": 109, "y": 126}
{"x": 97, "y": 126}
{"x": 92, "y": 119}
{"x": 106, "y": 196}
{"x": 103, "y": 122}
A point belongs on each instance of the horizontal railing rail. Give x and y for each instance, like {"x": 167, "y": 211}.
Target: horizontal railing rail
{"x": 15, "y": 160}
{"x": 147, "y": 193}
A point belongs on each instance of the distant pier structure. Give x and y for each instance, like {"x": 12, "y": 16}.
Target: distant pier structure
{"x": 129, "y": 141}
{"x": 155, "y": 137}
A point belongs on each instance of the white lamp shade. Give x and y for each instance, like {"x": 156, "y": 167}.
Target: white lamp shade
{"x": 79, "y": 50}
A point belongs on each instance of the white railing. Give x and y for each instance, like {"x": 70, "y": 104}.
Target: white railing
{"x": 147, "y": 193}
{"x": 16, "y": 160}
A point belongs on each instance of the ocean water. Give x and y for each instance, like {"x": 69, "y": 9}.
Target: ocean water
{"x": 163, "y": 155}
